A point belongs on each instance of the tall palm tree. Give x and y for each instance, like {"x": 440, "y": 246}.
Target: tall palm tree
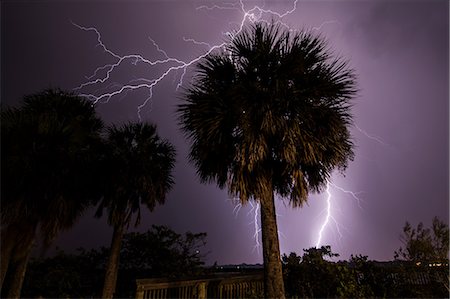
{"x": 137, "y": 171}
{"x": 269, "y": 114}
{"x": 47, "y": 155}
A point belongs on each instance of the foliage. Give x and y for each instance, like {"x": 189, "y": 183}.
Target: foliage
{"x": 312, "y": 276}
{"x": 354, "y": 278}
{"x": 425, "y": 251}
{"x": 171, "y": 254}
{"x": 317, "y": 255}
{"x": 159, "y": 252}
{"x": 48, "y": 160}
{"x": 49, "y": 154}
{"x": 137, "y": 170}
{"x": 66, "y": 275}
{"x": 424, "y": 245}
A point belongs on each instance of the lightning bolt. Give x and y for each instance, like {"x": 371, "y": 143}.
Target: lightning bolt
{"x": 372, "y": 137}
{"x": 328, "y": 210}
{"x": 354, "y": 195}
{"x": 172, "y": 64}
{"x": 255, "y": 210}
{"x": 237, "y": 209}
{"x": 134, "y": 59}
{"x": 327, "y": 218}
{"x": 254, "y": 213}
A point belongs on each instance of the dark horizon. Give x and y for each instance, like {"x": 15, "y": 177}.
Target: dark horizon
{"x": 398, "y": 49}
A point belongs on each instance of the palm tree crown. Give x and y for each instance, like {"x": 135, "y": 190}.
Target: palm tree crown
{"x": 138, "y": 170}
{"x": 48, "y": 148}
{"x": 274, "y": 106}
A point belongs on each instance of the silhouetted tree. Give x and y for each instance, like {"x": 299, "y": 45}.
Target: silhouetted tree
{"x": 161, "y": 252}
{"x": 424, "y": 244}
{"x": 48, "y": 162}
{"x": 137, "y": 171}
{"x": 269, "y": 113}
{"x": 314, "y": 276}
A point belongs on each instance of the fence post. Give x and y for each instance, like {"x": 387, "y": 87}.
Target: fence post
{"x": 139, "y": 291}
{"x": 201, "y": 290}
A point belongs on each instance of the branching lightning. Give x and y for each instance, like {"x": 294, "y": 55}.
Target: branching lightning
{"x": 173, "y": 65}
{"x": 354, "y": 195}
{"x": 329, "y": 211}
{"x": 327, "y": 218}
{"x": 134, "y": 59}
{"x": 372, "y": 137}
{"x": 255, "y": 210}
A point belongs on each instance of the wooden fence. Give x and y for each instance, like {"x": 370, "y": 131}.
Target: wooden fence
{"x": 220, "y": 286}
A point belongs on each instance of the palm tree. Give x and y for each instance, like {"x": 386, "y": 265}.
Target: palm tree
{"x": 138, "y": 171}
{"x": 47, "y": 156}
{"x": 269, "y": 114}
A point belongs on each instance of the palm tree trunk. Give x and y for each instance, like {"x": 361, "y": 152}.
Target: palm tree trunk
{"x": 7, "y": 245}
{"x": 20, "y": 270}
{"x": 273, "y": 274}
{"x": 112, "y": 268}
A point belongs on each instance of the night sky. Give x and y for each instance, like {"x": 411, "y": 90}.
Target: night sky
{"x": 399, "y": 50}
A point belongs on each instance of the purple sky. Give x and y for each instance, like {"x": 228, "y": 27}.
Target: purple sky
{"x": 399, "y": 50}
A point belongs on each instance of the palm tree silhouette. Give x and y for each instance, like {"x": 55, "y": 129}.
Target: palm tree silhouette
{"x": 48, "y": 165}
{"x": 269, "y": 114}
{"x": 137, "y": 171}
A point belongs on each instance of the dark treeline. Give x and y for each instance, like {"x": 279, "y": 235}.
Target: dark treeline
{"x": 313, "y": 276}
{"x": 422, "y": 272}
{"x": 159, "y": 252}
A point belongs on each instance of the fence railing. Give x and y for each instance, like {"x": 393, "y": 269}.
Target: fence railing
{"x": 219, "y": 286}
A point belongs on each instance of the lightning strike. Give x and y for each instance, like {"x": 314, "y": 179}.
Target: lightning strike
{"x": 233, "y": 6}
{"x": 329, "y": 211}
{"x": 353, "y": 194}
{"x": 172, "y": 64}
{"x": 134, "y": 58}
{"x": 196, "y": 42}
{"x": 372, "y": 137}
{"x": 327, "y": 218}
{"x": 237, "y": 209}
{"x": 325, "y": 23}
{"x": 255, "y": 209}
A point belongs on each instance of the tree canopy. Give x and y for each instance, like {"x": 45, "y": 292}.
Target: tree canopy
{"x": 422, "y": 245}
